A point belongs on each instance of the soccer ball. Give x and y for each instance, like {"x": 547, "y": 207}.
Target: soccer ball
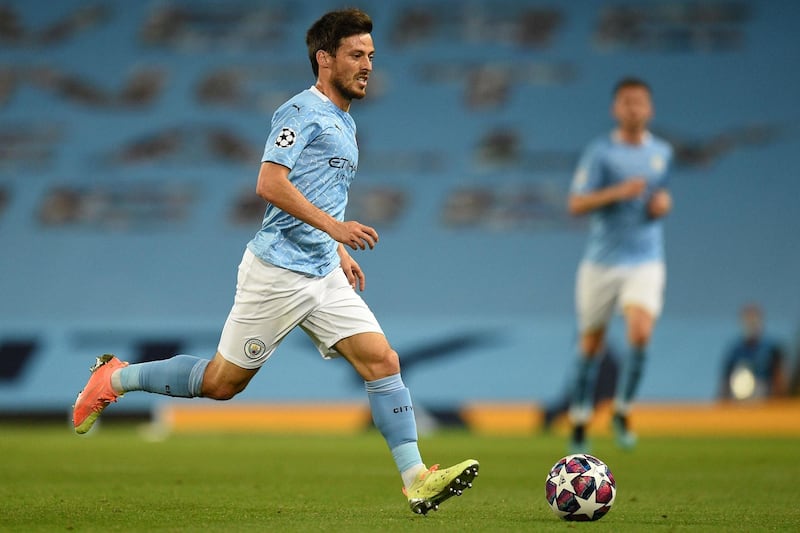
{"x": 580, "y": 487}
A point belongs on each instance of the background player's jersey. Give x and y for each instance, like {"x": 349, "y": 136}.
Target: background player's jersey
{"x": 316, "y": 140}
{"x": 622, "y": 233}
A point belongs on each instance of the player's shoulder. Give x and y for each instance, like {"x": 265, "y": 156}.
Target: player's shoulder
{"x": 661, "y": 144}
{"x": 304, "y": 104}
{"x": 601, "y": 144}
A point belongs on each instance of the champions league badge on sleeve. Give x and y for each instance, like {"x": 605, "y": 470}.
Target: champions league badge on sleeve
{"x": 285, "y": 138}
{"x": 254, "y": 348}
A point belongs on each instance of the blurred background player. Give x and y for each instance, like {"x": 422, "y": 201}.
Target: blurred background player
{"x": 297, "y": 272}
{"x": 754, "y": 366}
{"x": 620, "y": 182}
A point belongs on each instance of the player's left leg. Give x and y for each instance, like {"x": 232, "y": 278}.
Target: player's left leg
{"x": 641, "y": 301}
{"x": 640, "y": 324}
{"x": 181, "y": 376}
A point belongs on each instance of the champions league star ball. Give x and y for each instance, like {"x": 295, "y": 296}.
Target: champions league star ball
{"x": 580, "y": 487}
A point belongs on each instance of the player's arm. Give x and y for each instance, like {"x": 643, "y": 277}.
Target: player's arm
{"x": 582, "y": 203}
{"x": 355, "y": 276}
{"x": 660, "y": 204}
{"x": 274, "y": 187}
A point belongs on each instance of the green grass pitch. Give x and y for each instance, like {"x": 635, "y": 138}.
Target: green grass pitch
{"x": 116, "y": 480}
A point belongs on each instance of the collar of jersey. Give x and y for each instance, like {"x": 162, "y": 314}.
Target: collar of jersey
{"x": 615, "y": 137}
{"x": 319, "y": 93}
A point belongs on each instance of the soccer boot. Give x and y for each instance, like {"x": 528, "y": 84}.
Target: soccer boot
{"x": 626, "y": 439}
{"x": 578, "y": 442}
{"x": 97, "y": 393}
{"x": 434, "y": 486}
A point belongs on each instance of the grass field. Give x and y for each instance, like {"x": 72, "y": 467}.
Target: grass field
{"x": 116, "y": 480}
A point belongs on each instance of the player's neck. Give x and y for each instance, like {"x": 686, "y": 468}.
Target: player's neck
{"x": 335, "y": 96}
{"x": 631, "y": 135}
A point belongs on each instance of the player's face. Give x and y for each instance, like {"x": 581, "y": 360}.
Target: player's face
{"x": 633, "y": 108}
{"x": 351, "y": 66}
{"x": 751, "y": 323}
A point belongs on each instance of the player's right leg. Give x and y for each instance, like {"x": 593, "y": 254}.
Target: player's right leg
{"x": 595, "y": 295}
{"x": 581, "y": 406}
{"x": 434, "y": 485}
{"x": 393, "y": 413}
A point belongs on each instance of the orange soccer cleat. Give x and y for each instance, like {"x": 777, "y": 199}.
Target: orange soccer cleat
{"x": 97, "y": 393}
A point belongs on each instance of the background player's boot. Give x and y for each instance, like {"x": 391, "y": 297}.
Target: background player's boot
{"x": 97, "y": 393}
{"x": 577, "y": 442}
{"x": 626, "y": 439}
{"x": 435, "y": 486}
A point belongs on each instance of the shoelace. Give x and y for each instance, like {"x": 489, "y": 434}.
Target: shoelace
{"x": 423, "y": 475}
{"x": 431, "y": 470}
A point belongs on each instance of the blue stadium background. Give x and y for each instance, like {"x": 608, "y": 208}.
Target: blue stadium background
{"x": 131, "y": 135}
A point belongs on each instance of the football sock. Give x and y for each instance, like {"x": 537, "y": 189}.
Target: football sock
{"x": 582, "y": 402}
{"x": 629, "y": 379}
{"x": 393, "y": 414}
{"x": 180, "y": 376}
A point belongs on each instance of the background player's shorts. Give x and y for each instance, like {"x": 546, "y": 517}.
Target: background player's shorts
{"x": 601, "y": 288}
{"x": 271, "y": 301}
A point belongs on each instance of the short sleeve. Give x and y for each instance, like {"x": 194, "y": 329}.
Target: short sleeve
{"x": 291, "y": 131}
{"x": 588, "y": 173}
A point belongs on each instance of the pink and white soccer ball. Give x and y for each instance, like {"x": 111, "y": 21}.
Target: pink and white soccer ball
{"x": 580, "y": 487}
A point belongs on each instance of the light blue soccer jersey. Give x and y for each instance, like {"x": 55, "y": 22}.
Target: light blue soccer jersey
{"x": 316, "y": 140}
{"x": 622, "y": 233}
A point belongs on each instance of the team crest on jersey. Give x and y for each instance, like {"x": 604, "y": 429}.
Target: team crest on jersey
{"x": 285, "y": 138}
{"x": 254, "y": 348}
{"x": 657, "y": 163}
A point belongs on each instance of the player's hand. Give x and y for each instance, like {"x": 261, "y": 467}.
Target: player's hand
{"x": 355, "y": 235}
{"x": 631, "y": 189}
{"x": 660, "y": 204}
{"x": 355, "y": 276}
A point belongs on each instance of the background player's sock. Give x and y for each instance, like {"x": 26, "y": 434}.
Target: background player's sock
{"x": 180, "y": 376}
{"x": 582, "y": 401}
{"x": 629, "y": 380}
{"x": 393, "y": 414}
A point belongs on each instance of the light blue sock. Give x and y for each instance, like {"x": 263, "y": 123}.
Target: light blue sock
{"x": 393, "y": 415}
{"x": 180, "y": 376}
{"x": 629, "y": 379}
{"x": 582, "y": 403}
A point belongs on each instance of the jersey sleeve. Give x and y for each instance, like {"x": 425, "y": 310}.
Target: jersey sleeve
{"x": 665, "y": 179}
{"x": 588, "y": 175}
{"x": 291, "y": 131}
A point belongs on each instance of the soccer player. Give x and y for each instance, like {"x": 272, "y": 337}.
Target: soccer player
{"x": 621, "y": 183}
{"x": 755, "y": 361}
{"x": 297, "y": 272}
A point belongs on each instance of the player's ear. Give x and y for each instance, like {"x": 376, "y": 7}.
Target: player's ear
{"x": 323, "y": 58}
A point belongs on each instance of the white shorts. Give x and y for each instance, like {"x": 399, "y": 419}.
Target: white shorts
{"x": 600, "y": 288}
{"x": 270, "y": 301}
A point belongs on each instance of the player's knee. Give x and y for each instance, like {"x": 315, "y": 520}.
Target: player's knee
{"x": 639, "y": 339}
{"x": 391, "y": 363}
{"x": 387, "y": 364}
{"x": 221, "y": 391}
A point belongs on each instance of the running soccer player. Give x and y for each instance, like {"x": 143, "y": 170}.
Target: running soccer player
{"x": 297, "y": 272}
{"x": 621, "y": 183}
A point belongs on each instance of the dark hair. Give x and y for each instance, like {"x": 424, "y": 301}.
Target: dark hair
{"x": 630, "y": 81}
{"x": 327, "y": 33}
